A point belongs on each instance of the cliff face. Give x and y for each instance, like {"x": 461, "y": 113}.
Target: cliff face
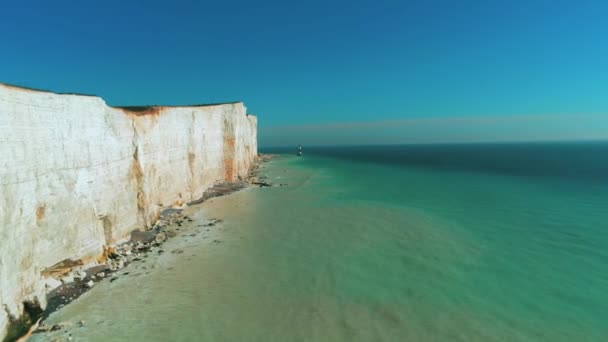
{"x": 77, "y": 175}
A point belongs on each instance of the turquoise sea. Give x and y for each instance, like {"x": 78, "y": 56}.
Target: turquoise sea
{"x": 505, "y": 242}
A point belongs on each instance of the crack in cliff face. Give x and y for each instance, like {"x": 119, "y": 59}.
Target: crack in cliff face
{"x": 229, "y": 149}
{"x": 137, "y": 176}
{"x": 191, "y": 157}
{"x": 191, "y": 160}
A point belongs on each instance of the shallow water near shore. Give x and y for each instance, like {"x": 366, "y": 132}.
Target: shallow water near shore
{"x": 470, "y": 243}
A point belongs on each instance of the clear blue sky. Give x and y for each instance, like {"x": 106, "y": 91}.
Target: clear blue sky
{"x": 331, "y": 71}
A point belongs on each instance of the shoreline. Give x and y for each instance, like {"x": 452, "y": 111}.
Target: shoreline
{"x": 77, "y": 278}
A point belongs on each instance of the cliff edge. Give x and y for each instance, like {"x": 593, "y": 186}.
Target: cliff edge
{"x": 77, "y": 175}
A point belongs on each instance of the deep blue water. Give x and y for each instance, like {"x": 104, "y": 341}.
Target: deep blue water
{"x": 579, "y": 160}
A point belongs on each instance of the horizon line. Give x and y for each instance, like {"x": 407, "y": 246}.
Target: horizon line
{"x": 489, "y": 142}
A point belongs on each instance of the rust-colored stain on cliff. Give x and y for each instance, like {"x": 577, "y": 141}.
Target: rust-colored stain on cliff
{"x": 107, "y": 253}
{"x": 229, "y": 159}
{"x": 40, "y": 211}
{"x": 107, "y": 229}
{"x": 229, "y": 169}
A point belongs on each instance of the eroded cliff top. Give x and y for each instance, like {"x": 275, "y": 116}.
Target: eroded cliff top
{"x": 137, "y": 110}
{"x": 24, "y": 88}
{"x": 151, "y": 109}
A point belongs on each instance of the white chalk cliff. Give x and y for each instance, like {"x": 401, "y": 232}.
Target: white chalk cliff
{"x": 77, "y": 175}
